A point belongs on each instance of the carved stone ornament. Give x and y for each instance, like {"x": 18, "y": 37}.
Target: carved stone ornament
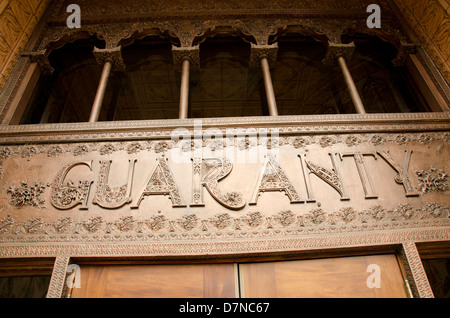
{"x": 161, "y": 181}
{"x": 27, "y": 194}
{"x": 42, "y": 59}
{"x": 191, "y": 53}
{"x": 207, "y": 173}
{"x": 432, "y": 180}
{"x": 113, "y": 55}
{"x": 112, "y": 197}
{"x": 257, "y": 52}
{"x": 338, "y": 49}
{"x": 251, "y": 224}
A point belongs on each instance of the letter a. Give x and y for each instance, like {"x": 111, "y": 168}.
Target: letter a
{"x": 374, "y": 20}
{"x": 161, "y": 182}
{"x": 273, "y": 178}
{"x": 74, "y": 20}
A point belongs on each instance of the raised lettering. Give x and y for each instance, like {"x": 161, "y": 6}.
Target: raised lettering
{"x": 67, "y": 195}
{"x": 112, "y": 197}
{"x": 161, "y": 182}
{"x": 207, "y": 172}
{"x": 402, "y": 176}
{"x": 332, "y": 177}
{"x": 363, "y": 175}
{"x": 273, "y": 178}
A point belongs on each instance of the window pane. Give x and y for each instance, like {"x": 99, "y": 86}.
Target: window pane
{"x": 438, "y": 273}
{"x": 24, "y": 286}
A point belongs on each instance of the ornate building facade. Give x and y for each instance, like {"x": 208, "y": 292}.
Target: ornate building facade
{"x": 225, "y": 148}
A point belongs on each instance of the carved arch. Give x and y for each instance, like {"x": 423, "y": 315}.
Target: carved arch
{"x": 140, "y": 34}
{"x": 56, "y": 38}
{"x": 298, "y": 30}
{"x": 224, "y": 29}
{"x": 390, "y": 34}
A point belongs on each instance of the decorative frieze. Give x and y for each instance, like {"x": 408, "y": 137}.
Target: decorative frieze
{"x": 351, "y": 173}
{"x": 192, "y": 226}
{"x": 438, "y": 141}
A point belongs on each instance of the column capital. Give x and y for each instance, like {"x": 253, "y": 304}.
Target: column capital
{"x": 113, "y": 55}
{"x": 259, "y": 51}
{"x": 41, "y": 58}
{"x": 191, "y": 53}
{"x": 404, "y": 50}
{"x": 338, "y": 49}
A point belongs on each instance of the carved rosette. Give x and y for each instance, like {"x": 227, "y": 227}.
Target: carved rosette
{"x": 338, "y": 49}
{"x": 191, "y": 53}
{"x": 113, "y": 55}
{"x": 263, "y": 51}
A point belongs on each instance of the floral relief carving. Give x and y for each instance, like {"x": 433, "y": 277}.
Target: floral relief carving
{"x": 253, "y": 223}
{"x": 440, "y": 140}
{"x": 27, "y": 194}
{"x": 432, "y": 180}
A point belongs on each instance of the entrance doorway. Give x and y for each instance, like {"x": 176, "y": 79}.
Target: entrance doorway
{"x": 351, "y": 277}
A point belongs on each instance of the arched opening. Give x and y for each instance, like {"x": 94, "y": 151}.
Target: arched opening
{"x": 384, "y": 88}
{"x": 225, "y": 85}
{"x": 149, "y": 88}
{"x": 303, "y": 85}
{"x": 67, "y": 94}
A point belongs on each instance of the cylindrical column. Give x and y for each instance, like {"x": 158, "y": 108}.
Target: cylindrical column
{"x": 184, "y": 90}
{"x": 97, "y": 105}
{"x": 273, "y": 110}
{"x": 351, "y": 86}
